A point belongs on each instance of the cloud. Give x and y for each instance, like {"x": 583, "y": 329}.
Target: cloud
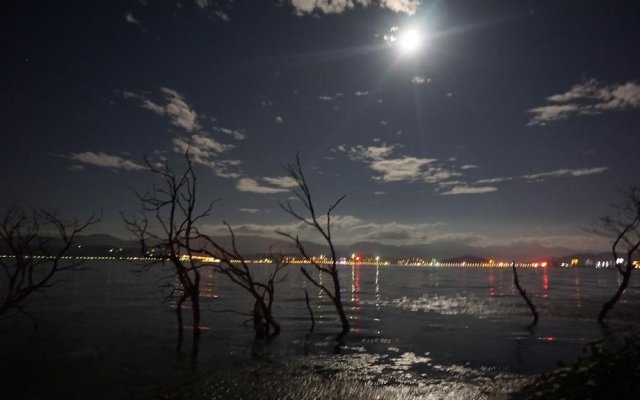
{"x": 104, "y": 160}
{"x": 128, "y": 16}
{"x": 392, "y": 231}
{"x": 202, "y": 3}
{"x": 234, "y": 133}
{"x": 279, "y": 119}
{"x": 200, "y": 144}
{"x": 175, "y": 108}
{"x": 345, "y": 229}
{"x": 206, "y": 150}
{"x": 249, "y": 210}
{"x": 202, "y": 147}
{"x": 281, "y": 181}
{"x": 220, "y": 8}
{"x": 588, "y": 98}
{"x": 252, "y": 186}
{"x": 545, "y": 114}
{"x": 179, "y": 111}
{"x": 463, "y": 189}
{"x": 566, "y": 172}
{"x": 360, "y": 152}
{"x": 360, "y": 93}
{"x": 302, "y": 7}
{"x": 401, "y": 6}
{"x": 493, "y": 180}
{"x": 419, "y": 80}
{"x": 390, "y": 168}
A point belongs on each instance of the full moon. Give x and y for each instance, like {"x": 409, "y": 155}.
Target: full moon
{"x": 410, "y": 41}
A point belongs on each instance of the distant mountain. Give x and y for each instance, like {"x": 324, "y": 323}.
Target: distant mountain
{"x": 604, "y": 256}
{"x": 101, "y": 239}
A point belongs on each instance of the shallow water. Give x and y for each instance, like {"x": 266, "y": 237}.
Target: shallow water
{"x": 423, "y": 332}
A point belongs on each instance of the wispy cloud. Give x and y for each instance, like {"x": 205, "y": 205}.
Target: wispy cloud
{"x": 219, "y": 9}
{"x": 266, "y": 185}
{"x": 493, "y": 180}
{"x": 234, "y": 133}
{"x": 541, "y": 176}
{"x": 346, "y": 229}
{"x": 419, "y": 80}
{"x": 587, "y": 98}
{"x": 104, "y": 160}
{"x": 128, "y": 16}
{"x": 389, "y": 167}
{"x": 174, "y": 107}
{"x": 302, "y": 7}
{"x": 203, "y": 148}
{"x": 281, "y": 181}
{"x": 559, "y": 173}
{"x": 249, "y": 210}
{"x": 464, "y": 189}
{"x": 206, "y": 150}
{"x": 252, "y": 186}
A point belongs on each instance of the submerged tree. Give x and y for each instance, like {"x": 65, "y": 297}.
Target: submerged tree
{"x": 322, "y": 225}
{"x": 166, "y": 228}
{"x": 36, "y": 245}
{"x": 524, "y": 295}
{"x": 233, "y": 265}
{"x": 625, "y": 228}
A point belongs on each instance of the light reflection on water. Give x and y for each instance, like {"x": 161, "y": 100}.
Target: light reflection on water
{"x": 420, "y": 329}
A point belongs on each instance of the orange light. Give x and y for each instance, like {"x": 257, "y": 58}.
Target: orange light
{"x": 358, "y": 258}
{"x": 543, "y": 264}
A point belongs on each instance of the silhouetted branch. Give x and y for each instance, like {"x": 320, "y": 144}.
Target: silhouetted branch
{"x": 34, "y": 259}
{"x": 624, "y": 229}
{"x": 165, "y": 228}
{"x": 234, "y": 266}
{"x": 303, "y": 193}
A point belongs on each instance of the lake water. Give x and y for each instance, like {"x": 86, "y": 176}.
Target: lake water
{"x": 417, "y": 332}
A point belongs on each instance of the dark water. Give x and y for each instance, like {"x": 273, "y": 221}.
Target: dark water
{"x": 416, "y": 333}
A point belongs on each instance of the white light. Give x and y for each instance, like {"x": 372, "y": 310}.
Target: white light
{"x": 410, "y": 41}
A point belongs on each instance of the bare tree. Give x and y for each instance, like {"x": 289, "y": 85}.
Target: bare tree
{"x": 236, "y": 268}
{"x": 37, "y": 243}
{"x": 625, "y": 228}
{"x": 322, "y": 225}
{"x": 166, "y": 228}
{"x": 524, "y": 295}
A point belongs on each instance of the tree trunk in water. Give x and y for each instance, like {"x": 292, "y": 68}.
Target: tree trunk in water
{"x": 181, "y": 300}
{"x": 195, "y": 306}
{"x": 268, "y": 317}
{"x": 260, "y": 328}
{"x": 608, "y": 306}
{"x": 524, "y": 295}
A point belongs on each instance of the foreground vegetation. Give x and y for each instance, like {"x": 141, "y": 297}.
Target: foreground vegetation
{"x": 603, "y": 371}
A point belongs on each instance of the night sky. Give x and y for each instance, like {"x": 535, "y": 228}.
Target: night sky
{"x": 482, "y": 122}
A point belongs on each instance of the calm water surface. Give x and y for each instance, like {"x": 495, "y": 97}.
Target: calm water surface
{"x": 417, "y": 332}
